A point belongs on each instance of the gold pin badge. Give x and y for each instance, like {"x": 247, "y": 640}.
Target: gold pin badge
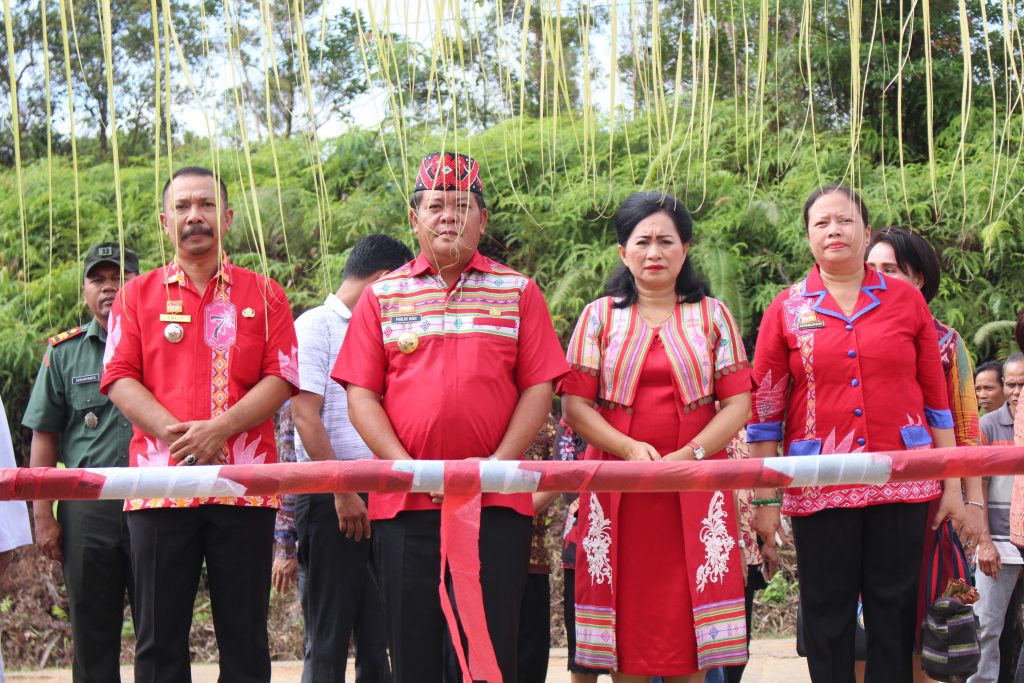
{"x": 408, "y": 342}
{"x": 91, "y": 421}
{"x": 174, "y": 333}
{"x": 248, "y": 313}
{"x": 174, "y": 306}
{"x": 495, "y": 312}
{"x": 406, "y": 308}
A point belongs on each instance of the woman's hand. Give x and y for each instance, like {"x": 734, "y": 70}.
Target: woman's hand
{"x": 639, "y": 451}
{"x": 952, "y": 507}
{"x": 767, "y": 522}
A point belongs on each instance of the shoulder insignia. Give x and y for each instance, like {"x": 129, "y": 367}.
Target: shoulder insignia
{"x": 65, "y": 335}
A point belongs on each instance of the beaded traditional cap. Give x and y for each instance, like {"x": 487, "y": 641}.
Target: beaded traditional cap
{"x": 447, "y": 171}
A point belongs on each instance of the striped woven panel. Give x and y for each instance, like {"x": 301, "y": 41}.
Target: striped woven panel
{"x": 721, "y": 630}
{"x": 595, "y": 637}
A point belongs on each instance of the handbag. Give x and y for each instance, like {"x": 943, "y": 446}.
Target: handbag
{"x": 950, "y": 651}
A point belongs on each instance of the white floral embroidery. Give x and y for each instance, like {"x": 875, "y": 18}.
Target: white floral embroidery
{"x": 717, "y": 544}
{"x": 598, "y": 543}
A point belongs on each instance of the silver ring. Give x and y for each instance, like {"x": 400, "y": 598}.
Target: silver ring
{"x": 190, "y": 459}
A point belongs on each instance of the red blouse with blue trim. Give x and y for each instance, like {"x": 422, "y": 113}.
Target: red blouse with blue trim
{"x": 831, "y": 383}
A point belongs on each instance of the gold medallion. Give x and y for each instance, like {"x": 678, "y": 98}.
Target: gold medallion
{"x": 248, "y": 313}
{"x": 91, "y": 421}
{"x": 174, "y": 333}
{"x": 408, "y": 342}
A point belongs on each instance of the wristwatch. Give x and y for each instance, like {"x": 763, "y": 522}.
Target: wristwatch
{"x": 698, "y": 451}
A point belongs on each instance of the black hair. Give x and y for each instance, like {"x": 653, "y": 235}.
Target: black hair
{"x": 914, "y": 255}
{"x": 1018, "y": 332}
{"x": 202, "y": 172}
{"x": 375, "y": 253}
{"x": 990, "y": 366}
{"x": 634, "y": 209}
{"x": 416, "y": 197}
{"x": 841, "y": 189}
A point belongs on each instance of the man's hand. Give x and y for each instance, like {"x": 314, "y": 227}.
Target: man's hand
{"x": 284, "y": 574}
{"x": 49, "y": 536}
{"x": 202, "y": 438}
{"x": 989, "y": 561}
{"x": 352, "y": 518}
{"x": 770, "y": 556}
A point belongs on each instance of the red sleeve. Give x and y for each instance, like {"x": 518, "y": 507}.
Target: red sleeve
{"x": 930, "y": 376}
{"x": 280, "y": 352}
{"x": 362, "y": 360}
{"x": 540, "y": 358}
{"x": 732, "y": 369}
{"x": 579, "y": 382}
{"x": 771, "y": 376}
{"x": 123, "y": 355}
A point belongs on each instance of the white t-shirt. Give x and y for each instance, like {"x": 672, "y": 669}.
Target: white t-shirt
{"x": 320, "y": 332}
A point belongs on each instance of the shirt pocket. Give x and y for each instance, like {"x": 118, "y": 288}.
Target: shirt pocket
{"x": 86, "y": 396}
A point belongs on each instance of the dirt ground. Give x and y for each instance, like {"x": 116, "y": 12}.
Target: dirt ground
{"x": 771, "y": 661}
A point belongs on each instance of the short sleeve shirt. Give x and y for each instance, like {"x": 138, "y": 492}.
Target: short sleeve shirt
{"x": 66, "y": 400}
{"x": 997, "y": 430}
{"x": 478, "y": 346}
{"x": 238, "y": 331}
{"x": 321, "y": 331}
{"x": 831, "y": 383}
{"x": 14, "y": 527}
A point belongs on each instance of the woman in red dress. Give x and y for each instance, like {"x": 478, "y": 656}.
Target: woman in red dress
{"x": 847, "y": 361}
{"x": 659, "y": 579}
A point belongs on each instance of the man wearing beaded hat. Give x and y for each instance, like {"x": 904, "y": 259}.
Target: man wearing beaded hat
{"x": 450, "y": 357}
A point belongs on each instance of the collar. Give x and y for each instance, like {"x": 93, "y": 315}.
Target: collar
{"x": 94, "y": 329}
{"x": 1005, "y": 415}
{"x": 478, "y": 262}
{"x": 333, "y": 303}
{"x": 813, "y": 286}
{"x": 173, "y": 272}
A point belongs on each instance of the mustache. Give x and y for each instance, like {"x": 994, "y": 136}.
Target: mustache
{"x": 198, "y": 230}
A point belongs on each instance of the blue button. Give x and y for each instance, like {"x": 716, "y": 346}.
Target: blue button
{"x": 851, "y": 353}
{"x": 854, "y": 382}
{"x": 860, "y": 441}
{"x": 849, "y": 328}
{"x": 858, "y": 412}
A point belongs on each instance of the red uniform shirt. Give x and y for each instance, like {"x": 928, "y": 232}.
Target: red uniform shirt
{"x": 480, "y": 345}
{"x": 240, "y": 331}
{"x": 831, "y": 383}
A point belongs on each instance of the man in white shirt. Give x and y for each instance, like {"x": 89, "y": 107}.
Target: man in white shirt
{"x": 14, "y": 527}
{"x": 340, "y": 599}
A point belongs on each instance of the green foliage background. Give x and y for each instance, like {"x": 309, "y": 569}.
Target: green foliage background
{"x": 551, "y": 221}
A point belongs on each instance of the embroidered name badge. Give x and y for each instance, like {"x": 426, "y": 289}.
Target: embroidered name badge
{"x": 86, "y": 379}
{"x": 406, "y": 318}
{"x": 220, "y": 328}
{"x": 809, "y": 320}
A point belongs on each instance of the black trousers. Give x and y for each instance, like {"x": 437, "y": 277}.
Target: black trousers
{"x": 569, "y": 612}
{"x": 874, "y": 552}
{"x": 407, "y": 559}
{"x": 97, "y": 573}
{"x": 340, "y": 599}
{"x": 535, "y": 629}
{"x": 168, "y": 550}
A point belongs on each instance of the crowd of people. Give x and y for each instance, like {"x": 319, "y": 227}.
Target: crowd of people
{"x": 448, "y": 354}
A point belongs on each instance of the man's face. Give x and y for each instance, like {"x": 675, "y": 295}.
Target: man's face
{"x": 448, "y": 225}
{"x": 1013, "y": 381}
{"x": 989, "y": 391}
{"x": 191, "y": 217}
{"x": 101, "y": 285}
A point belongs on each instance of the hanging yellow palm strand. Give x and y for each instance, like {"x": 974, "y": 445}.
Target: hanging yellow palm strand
{"x": 16, "y": 129}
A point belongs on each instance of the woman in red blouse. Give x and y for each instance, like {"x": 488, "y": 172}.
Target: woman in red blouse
{"x": 847, "y": 361}
{"x": 659, "y": 579}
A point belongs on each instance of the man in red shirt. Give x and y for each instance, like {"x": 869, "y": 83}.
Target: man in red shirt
{"x": 450, "y": 357}
{"x": 200, "y": 353}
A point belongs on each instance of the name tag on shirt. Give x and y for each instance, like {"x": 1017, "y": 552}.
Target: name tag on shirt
{"x": 85, "y": 379}
{"x": 809, "y": 320}
{"x": 406, "y": 318}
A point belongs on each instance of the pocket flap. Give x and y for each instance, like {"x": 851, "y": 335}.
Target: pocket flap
{"x": 805, "y": 447}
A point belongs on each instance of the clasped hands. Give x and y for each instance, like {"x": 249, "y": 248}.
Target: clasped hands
{"x": 639, "y": 451}
{"x": 202, "y": 439}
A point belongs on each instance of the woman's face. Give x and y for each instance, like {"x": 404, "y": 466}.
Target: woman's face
{"x": 882, "y": 258}
{"x": 654, "y": 253}
{"x": 836, "y": 232}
